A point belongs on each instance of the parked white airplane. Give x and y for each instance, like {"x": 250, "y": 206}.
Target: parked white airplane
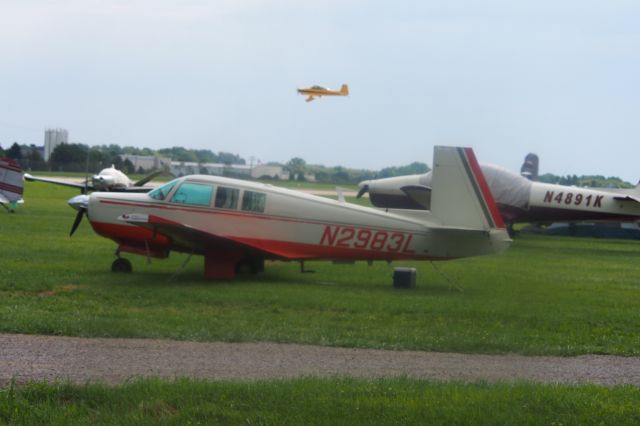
{"x": 233, "y": 222}
{"x": 11, "y": 184}
{"x": 518, "y": 198}
{"x": 109, "y": 179}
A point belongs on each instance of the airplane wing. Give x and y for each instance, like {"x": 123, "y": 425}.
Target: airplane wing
{"x": 31, "y": 178}
{"x": 147, "y": 178}
{"x": 627, "y": 198}
{"x": 137, "y": 189}
{"x": 196, "y": 240}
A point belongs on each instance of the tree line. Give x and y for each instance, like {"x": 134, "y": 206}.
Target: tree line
{"x": 77, "y": 157}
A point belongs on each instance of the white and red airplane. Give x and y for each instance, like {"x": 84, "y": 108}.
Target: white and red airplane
{"x": 109, "y": 179}
{"x": 11, "y": 184}
{"x": 233, "y": 222}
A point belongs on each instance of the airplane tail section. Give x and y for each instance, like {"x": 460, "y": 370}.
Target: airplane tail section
{"x": 460, "y": 196}
{"x": 11, "y": 183}
{"x": 344, "y": 90}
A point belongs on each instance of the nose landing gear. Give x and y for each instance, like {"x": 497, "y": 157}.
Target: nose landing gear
{"x": 121, "y": 265}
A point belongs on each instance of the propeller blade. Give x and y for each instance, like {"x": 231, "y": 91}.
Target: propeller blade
{"x": 76, "y": 222}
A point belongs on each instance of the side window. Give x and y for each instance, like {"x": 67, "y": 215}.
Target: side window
{"x": 161, "y": 192}
{"x": 227, "y": 198}
{"x": 198, "y": 194}
{"x": 253, "y": 201}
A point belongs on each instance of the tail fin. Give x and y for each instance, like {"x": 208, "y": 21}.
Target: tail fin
{"x": 460, "y": 196}
{"x": 344, "y": 90}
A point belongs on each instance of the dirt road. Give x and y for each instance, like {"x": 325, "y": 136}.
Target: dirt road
{"x": 28, "y": 358}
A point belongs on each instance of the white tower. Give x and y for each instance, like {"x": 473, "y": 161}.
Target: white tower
{"x": 53, "y": 138}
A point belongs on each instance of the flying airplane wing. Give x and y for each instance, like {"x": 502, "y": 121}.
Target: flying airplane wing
{"x": 31, "y": 178}
{"x": 196, "y": 240}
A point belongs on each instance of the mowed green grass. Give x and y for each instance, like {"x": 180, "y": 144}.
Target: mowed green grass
{"x": 552, "y": 296}
{"x": 318, "y": 401}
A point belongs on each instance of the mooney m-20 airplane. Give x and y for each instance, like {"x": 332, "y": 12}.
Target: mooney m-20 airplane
{"x": 109, "y": 179}
{"x": 234, "y": 223}
{"x": 518, "y": 198}
{"x": 319, "y": 91}
{"x": 11, "y": 184}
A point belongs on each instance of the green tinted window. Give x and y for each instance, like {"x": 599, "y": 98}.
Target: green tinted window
{"x": 161, "y": 192}
{"x": 253, "y": 201}
{"x": 198, "y": 194}
{"x": 227, "y": 198}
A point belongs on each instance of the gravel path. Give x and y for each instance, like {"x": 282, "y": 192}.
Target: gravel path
{"x": 27, "y": 358}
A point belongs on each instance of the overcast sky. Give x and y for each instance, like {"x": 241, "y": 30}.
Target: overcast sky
{"x": 561, "y": 79}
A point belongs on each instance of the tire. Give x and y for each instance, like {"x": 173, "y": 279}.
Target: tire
{"x": 121, "y": 265}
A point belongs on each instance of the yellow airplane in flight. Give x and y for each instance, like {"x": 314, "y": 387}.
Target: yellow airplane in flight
{"x": 319, "y": 91}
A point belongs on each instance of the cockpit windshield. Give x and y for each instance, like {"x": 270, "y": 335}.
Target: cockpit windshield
{"x": 161, "y": 192}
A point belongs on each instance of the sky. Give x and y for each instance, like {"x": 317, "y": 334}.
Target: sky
{"x": 560, "y": 79}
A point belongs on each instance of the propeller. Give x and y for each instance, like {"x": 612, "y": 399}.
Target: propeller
{"x": 81, "y": 204}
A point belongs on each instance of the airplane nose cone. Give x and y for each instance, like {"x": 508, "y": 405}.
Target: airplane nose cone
{"x": 79, "y": 202}
{"x": 363, "y": 188}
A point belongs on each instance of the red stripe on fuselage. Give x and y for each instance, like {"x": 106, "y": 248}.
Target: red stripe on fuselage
{"x": 11, "y": 188}
{"x": 482, "y": 183}
{"x": 135, "y": 236}
{"x": 11, "y": 167}
{"x": 130, "y": 234}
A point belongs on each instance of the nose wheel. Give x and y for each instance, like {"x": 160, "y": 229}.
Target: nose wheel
{"x": 121, "y": 265}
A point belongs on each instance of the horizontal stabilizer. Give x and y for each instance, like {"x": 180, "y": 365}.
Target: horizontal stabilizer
{"x": 420, "y": 194}
{"x": 627, "y": 198}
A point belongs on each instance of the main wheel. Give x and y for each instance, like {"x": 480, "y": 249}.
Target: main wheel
{"x": 121, "y": 265}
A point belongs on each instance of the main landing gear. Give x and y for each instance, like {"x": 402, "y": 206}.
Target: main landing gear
{"x": 121, "y": 265}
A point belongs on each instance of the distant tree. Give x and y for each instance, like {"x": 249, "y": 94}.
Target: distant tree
{"x": 69, "y": 157}
{"x": 128, "y": 167}
{"x": 2, "y": 153}
{"x": 117, "y": 162}
{"x": 178, "y": 153}
{"x": 296, "y": 167}
{"x": 414, "y": 168}
{"x": 14, "y": 152}
{"x": 340, "y": 175}
{"x": 205, "y": 156}
{"x": 228, "y": 158}
{"x": 34, "y": 160}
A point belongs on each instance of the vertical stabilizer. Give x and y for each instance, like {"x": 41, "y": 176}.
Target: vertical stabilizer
{"x": 344, "y": 90}
{"x": 460, "y": 196}
{"x": 11, "y": 183}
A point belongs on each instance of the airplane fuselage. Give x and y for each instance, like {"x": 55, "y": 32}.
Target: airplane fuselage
{"x": 293, "y": 225}
{"x": 549, "y": 202}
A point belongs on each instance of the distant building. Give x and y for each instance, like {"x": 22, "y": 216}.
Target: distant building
{"x": 272, "y": 171}
{"x": 182, "y": 168}
{"x": 53, "y": 138}
{"x": 147, "y": 162}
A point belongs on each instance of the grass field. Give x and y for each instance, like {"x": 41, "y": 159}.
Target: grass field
{"x": 545, "y": 295}
{"x": 559, "y": 296}
{"x": 319, "y": 401}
